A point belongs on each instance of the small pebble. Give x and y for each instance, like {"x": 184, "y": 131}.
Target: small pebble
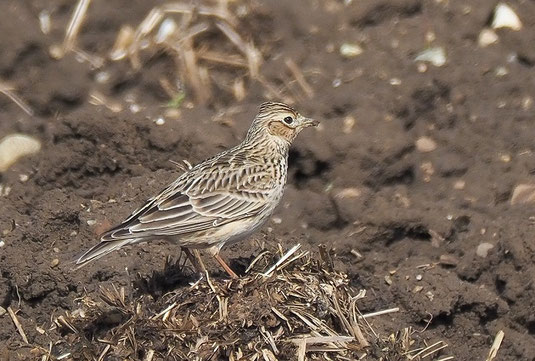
{"x": 506, "y": 158}
{"x": 425, "y": 144}
{"x": 44, "y": 21}
{"x": 483, "y": 249}
{"x": 160, "y": 121}
{"x": 348, "y": 193}
{"x": 337, "y": 82}
{"x": 350, "y": 50}
{"x": 134, "y": 108}
{"x": 459, "y": 184}
{"x": 2, "y": 243}
{"x": 417, "y": 289}
{"x": 23, "y": 177}
{"x": 419, "y": 277}
{"x": 54, "y": 262}
{"x": 15, "y": 146}
{"x": 395, "y": 81}
{"x": 435, "y": 56}
{"x": 428, "y": 170}
{"x": 167, "y": 28}
{"x": 448, "y": 260}
{"x": 277, "y": 220}
{"x": 40, "y": 330}
{"x": 505, "y": 17}
{"x": 422, "y": 67}
{"x": 91, "y": 222}
{"x": 523, "y": 193}
{"x": 349, "y": 124}
{"x": 102, "y": 77}
{"x": 501, "y": 71}
{"x": 56, "y": 249}
{"x": 430, "y": 295}
{"x": 388, "y": 280}
{"x": 527, "y": 103}
{"x": 487, "y": 37}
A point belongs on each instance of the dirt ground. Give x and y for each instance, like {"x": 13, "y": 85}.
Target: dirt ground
{"x": 405, "y": 224}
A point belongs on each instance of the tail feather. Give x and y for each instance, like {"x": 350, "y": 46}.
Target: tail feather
{"x": 101, "y": 249}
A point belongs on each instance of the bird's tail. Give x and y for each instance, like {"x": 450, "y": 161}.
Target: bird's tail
{"x": 101, "y": 249}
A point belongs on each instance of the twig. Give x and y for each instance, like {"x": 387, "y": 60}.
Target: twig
{"x": 299, "y": 77}
{"x": 254, "y": 58}
{"x": 71, "y": 33}
{"x": 17, "y": 324}
{"x": 227, "y": 59}
{"x": 495, "y": 345}
{"x": 323, "y": 339}
{"x": 104, "y": 352}
{"x": 167, "y": 309}
{"x": 429, "y": 350}
{"x": 379, "y": 313}
{"x": 443, "y": 346}
{"x": 257, "y": 258}
{"x": 301, "y": 352}
{"x": 8, "y": 92}
{"x": 281, "y": 260}
{"x": 354, "y": 324}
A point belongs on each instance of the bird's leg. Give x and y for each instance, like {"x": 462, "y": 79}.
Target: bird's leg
{"x": 225, "y": 266}
{"x": 195, "y": 259}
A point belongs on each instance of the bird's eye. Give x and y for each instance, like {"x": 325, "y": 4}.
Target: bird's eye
{"x": 288, "y": 120}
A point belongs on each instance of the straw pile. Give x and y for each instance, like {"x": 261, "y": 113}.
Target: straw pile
{"x": 288, "y": 306}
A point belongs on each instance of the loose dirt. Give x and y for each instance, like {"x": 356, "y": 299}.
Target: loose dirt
{"x": 405, "y": 225}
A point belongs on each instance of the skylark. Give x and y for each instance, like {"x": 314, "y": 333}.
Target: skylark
{"x": 221, "y": 200}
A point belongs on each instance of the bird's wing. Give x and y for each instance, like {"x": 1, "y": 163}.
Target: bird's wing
{"x": 201, "y": 200}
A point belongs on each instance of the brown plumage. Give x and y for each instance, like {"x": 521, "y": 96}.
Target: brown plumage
{"x": 220, "y": 200}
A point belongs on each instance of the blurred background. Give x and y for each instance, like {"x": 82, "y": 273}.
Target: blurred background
{"x": 421, "y": 175}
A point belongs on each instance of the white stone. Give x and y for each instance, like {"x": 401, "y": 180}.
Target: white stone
{"x": 425, "y": 145}
{"x": 505, "y": 17}
{"x": 435, "y": 56}
{"x": 44, "y": 21}
{"x": 483, "y": 249}
{"x": 167, "y": 29}
{"x": 348, "y": 193}
{"x": 15, "y": 146}
{"x": 487, "y": 37}
{"x": 350, "y": 50}
{"x": 501, "y": 71}
{"x": 523, "y": 193}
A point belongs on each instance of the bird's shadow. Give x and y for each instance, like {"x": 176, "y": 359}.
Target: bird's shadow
{"x": 175, "y": 274}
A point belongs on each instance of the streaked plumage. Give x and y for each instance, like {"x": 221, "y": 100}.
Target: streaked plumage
{"x": 221, "y": 200}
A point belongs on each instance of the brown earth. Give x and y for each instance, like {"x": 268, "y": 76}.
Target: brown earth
{"x": 366, "y": 188}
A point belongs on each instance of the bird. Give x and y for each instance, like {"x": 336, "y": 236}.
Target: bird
{"x": 220, "y": 201}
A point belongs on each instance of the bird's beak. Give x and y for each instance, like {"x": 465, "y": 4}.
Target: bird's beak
{"x": 310, "y": 122}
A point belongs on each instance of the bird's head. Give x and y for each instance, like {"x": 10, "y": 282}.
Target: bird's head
{"x": 279, "y": 121}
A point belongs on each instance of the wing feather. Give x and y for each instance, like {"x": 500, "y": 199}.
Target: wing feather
{"x": 200, "y": 199}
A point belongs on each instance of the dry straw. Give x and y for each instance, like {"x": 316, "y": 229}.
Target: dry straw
{"x": 289, "y": 306}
